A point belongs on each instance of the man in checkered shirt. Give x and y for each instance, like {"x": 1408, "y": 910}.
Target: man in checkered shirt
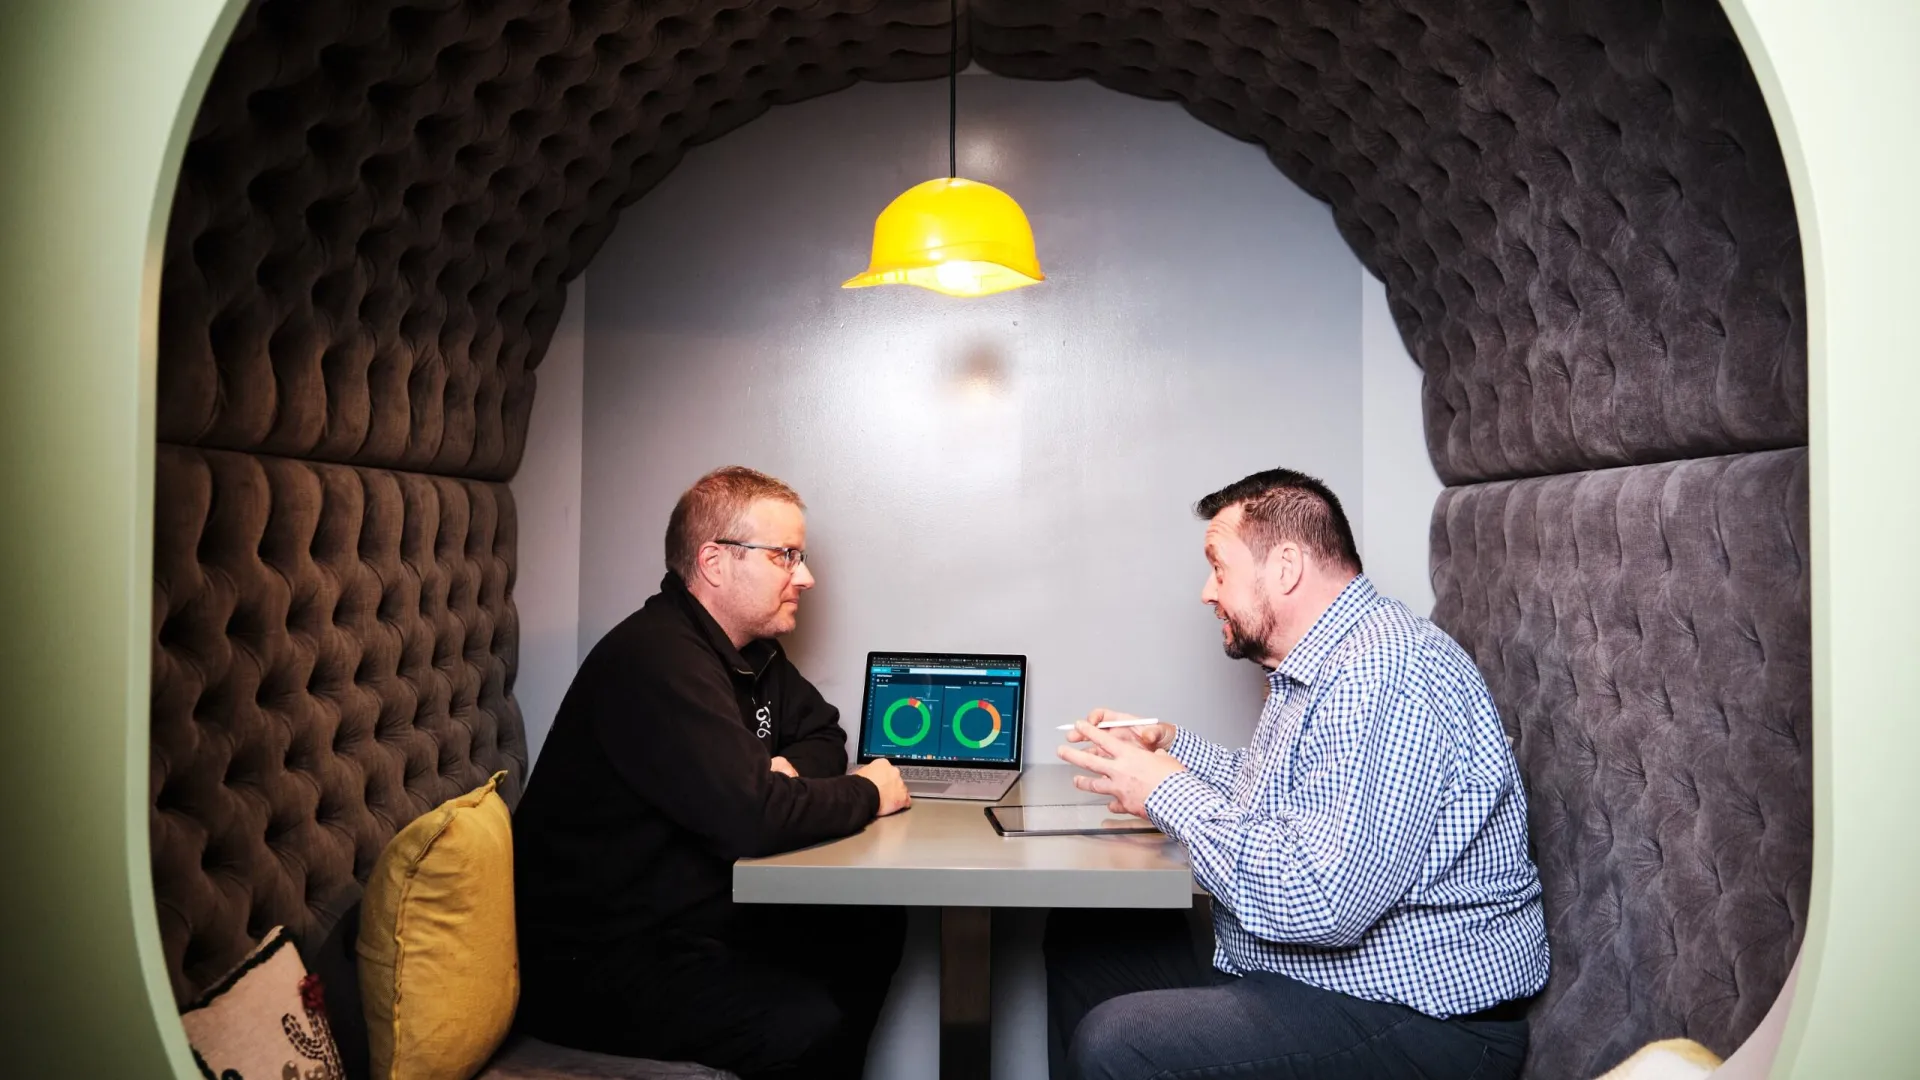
{"x": 1375, "y": 912}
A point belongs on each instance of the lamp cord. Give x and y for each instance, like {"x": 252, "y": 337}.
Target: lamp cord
{"x": 953, "y": 93}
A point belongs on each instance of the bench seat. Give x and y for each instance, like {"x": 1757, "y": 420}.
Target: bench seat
{"x": 524, "y": 1058}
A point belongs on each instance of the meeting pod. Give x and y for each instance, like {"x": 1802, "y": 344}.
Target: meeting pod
{"x": 1583, "y": 220}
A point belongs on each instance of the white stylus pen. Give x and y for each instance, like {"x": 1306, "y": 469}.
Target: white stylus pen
{"x": 1139, "y": 721}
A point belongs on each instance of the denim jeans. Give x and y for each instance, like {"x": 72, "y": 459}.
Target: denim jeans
{"x": 1131, "y": 998}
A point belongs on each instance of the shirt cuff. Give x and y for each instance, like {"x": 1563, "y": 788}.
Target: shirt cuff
{"x": 1198, "y": 754}
{"x": 1181, "y": 803}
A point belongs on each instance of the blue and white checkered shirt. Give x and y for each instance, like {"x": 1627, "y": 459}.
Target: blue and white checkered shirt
{"x": 1373, "y": 839}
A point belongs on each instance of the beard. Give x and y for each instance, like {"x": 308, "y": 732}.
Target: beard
{"x": 1247, "y": 635}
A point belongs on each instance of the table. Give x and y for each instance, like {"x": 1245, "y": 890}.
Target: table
{"x": 946, "y": 855}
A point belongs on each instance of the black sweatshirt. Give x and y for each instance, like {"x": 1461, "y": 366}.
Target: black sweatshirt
{"x": 656, "y": 776}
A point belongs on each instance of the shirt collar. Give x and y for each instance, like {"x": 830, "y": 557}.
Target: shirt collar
{"x": 750, "y": 660}
{"x": 1304, "y": 660}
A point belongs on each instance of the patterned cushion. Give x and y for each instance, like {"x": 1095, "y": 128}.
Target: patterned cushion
{"x": 265, "y": 1018}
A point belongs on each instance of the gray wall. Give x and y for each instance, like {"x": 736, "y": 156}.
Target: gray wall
{"x": 546, "y": 493}
{"x": 1010, "y": 474}
{"x": 1013, "y": 473}
{"x": 1397, "y": 482}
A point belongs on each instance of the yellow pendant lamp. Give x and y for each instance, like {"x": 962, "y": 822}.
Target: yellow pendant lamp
{"x": 954, "y": 236}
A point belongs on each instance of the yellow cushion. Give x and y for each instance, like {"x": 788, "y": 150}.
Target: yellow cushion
{"x": 439, "y": 966}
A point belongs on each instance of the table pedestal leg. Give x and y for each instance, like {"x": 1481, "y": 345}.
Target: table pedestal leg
{"x": 966, "y": 979}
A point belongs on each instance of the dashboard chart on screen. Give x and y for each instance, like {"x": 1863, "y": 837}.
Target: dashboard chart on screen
{"x": 959, "y": 708}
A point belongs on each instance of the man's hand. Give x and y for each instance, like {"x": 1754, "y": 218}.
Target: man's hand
{"x": 782, "y": 765}
{"x": 1152, "y": 737}
{"x": 1125, "y": 771}
{"x": 893, "y": 791}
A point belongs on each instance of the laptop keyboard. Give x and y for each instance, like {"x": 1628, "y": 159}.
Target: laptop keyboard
{"x": 929, "y": 774}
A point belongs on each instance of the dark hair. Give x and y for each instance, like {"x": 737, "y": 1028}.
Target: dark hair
{"x": 713, "y": 507}
{"x": 1280, "y": 504}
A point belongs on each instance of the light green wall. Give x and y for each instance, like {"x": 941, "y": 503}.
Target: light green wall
{"x": 91, "y": 96}
{"x": 1843, "y": 85}
{"x": 90, "y": 92}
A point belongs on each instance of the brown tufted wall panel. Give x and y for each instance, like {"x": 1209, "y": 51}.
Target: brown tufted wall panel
{"x": 1586, "y": 232}
{"x": 333, "y": 649}
{"x": 1579, "y": 209}
{"x": 1645, "y": 632}
{"x": 380, "y": 201}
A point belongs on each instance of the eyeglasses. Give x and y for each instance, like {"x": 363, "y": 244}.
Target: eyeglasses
{"x": 787, "y": 557}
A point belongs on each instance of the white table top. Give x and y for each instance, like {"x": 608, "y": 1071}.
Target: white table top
{"x": 945, "y": 854}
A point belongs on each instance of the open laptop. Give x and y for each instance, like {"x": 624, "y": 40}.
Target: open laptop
{"x": 951, "y": 722}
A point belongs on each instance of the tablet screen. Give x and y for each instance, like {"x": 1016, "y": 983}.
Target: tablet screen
{"x": 1068, "y": 819}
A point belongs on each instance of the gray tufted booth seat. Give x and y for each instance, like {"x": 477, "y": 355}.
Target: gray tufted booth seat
{"x": 1588, "y": 241}
{"x": 530, "y": 1059}
{"x": 1644, "y": 631}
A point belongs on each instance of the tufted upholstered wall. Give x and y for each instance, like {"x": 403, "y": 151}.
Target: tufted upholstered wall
{"x": 1588, "y": 241}
{"x": 1644, "y": 630}
{"x": 333, "y": 655}
{"x": 1579, "y": 209}
{"x": 381, "y": 201}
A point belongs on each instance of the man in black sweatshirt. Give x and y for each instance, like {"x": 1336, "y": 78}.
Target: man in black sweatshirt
{"x": 688, "y": 740}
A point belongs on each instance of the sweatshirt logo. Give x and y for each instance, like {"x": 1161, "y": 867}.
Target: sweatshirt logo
{"x": 763, "y": 719}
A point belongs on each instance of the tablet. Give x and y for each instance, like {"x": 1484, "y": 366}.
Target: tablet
{"x": 1066, "y": 819}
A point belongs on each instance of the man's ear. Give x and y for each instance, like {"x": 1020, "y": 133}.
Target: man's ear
{"x": 1288, "y": 566}
{"x": 706, "y": 564}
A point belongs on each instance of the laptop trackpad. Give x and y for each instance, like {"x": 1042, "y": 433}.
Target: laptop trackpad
{"x": 926, "y": 787}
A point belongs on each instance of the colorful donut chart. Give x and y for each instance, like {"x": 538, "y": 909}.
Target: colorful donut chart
{"x": 982, "y": 744}
{"x": 926, "y": 721}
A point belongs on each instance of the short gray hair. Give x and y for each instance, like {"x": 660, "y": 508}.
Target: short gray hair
{"x": 712, "y": 509}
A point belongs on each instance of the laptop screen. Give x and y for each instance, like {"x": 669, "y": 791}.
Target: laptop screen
{"x": 948, "y": 708}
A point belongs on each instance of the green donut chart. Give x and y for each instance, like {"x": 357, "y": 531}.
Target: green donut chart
{"x": 982, "y": 744}
{"x": 926, "y": 721}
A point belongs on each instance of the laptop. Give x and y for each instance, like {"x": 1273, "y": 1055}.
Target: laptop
{"x": 951, "y": 722}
